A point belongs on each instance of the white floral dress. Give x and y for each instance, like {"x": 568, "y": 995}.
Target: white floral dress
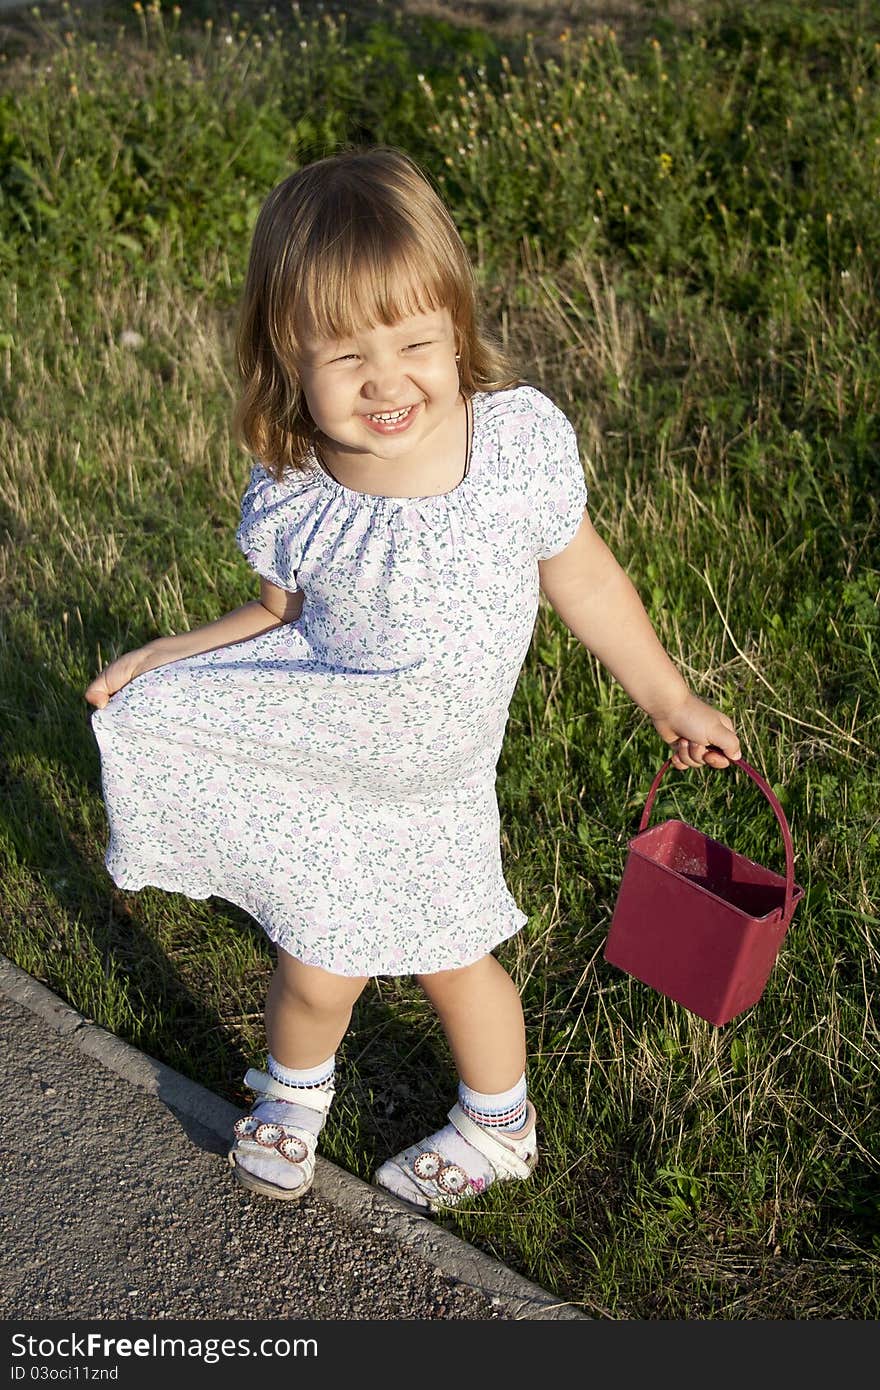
{"x": 335, "y": 776}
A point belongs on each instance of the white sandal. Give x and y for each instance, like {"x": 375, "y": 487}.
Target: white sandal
{"x": 294, "y": 1143}
{"x": 445, "y": 1184}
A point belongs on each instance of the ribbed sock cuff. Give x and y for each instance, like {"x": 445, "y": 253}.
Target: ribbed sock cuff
{"x": 309, "y": 1078}
{"x": 504, "y": 1110}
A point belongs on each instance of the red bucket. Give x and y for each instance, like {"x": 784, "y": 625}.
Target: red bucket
{"x": 696, "y": 921}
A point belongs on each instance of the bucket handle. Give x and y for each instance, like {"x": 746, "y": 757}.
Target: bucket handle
{"x": 777, "y": 811}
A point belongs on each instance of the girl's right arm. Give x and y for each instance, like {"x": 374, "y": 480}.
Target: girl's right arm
{"x": 274, "y": 606}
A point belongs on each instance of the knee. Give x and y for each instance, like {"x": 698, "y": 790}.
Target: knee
{"x": 314, "y": 989}
{"x": 444, "y": 984}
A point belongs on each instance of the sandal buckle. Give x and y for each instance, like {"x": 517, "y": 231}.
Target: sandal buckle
{"x": 450, "y": 1178}
{"x": 272, "y": 1136}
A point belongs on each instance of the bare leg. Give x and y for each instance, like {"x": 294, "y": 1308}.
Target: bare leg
{"x": 481, "y": 1013}
{"x": 308, "y": 1011}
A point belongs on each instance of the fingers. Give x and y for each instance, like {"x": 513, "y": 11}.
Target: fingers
{"x": 687, "y": 753}
{"x": 718, "y": 747}
{"x": 715, "y": 758}
{"x": 727, "y": 748}
{"x": 98, "y": 693}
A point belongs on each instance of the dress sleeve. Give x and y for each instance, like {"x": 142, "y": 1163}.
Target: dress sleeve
{"x": 557, "y": 489}
{"x": 266, "y": 533}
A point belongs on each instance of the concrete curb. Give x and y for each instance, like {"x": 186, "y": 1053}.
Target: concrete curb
{"x": 517, "y": 1297}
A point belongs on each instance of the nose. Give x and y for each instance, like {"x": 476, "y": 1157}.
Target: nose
{"x": 386, "y": 382}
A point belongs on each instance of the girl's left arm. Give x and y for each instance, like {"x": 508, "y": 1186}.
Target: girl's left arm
{"x": 599, "y": 604}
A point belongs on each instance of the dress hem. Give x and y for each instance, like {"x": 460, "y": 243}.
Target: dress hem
{"x": 278, "y": 937}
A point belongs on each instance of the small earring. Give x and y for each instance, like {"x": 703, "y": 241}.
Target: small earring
{"x": 458, "y": 357}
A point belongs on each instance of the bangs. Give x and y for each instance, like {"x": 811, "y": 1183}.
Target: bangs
{"x": 356, "y": 280}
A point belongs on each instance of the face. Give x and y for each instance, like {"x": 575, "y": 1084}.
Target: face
{"x": 382, "y": 393}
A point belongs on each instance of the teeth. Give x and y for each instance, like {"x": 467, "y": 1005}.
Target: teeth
{"x": 392, "y": 415}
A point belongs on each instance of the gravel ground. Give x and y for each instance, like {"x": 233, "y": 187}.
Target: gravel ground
{"x": 114, "y": 1209}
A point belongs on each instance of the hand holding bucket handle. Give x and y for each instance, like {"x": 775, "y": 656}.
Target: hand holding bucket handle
{"x": 787, "y": 908}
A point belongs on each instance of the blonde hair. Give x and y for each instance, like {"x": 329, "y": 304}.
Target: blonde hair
{"x": 352, "y": 240}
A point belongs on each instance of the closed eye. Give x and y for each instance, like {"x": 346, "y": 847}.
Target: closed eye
{"x": 351, "y": 356}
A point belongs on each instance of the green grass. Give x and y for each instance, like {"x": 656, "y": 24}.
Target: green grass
{"x": 689, "y": 266}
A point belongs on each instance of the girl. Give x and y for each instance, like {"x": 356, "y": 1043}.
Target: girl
{"x": 325, "y": 756}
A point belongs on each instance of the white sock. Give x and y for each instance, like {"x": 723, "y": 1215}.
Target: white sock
{"x": 320, "y": 1075}
{"x": 506, "y": 1110}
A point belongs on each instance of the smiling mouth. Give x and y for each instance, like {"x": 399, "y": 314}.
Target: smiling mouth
{"x": 392, "y": 417}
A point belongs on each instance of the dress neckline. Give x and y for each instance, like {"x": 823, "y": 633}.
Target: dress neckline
{"x": 323, "y": 474}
